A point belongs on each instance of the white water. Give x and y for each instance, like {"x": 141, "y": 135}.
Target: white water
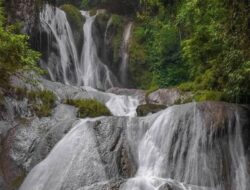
{"x": 63, "y": 62}
{"x": 125, "y": 54}
{"x": 95, "y": 73}
{"x": 60, "y": 171}
{"x": 54, "y": 22}
{"x": 176, "y": 148}
{"x": 181, "y": 151}
{"x": 119, "y": 105}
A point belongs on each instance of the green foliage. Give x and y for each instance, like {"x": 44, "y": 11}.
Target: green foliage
{"x": 74, "y": 16}
{"x": 85, "y": 4}
{"x": 16, "y": 56}
{"x": 41, "y": 101}
{"x": 208, "y": 95}
{"x": 118, "y": 25}
{"x": 199, "y": 45}
{"x": 89, "y": 107}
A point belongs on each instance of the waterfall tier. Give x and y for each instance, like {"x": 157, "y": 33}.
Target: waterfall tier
{"x": 187, "y": 147}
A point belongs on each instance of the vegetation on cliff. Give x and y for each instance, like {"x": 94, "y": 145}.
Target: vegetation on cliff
{"x": 41, "y": 102}
{"x": 202, "y": 46}
{"x": 16, "y": 56}
{"x": 89, "y": 108}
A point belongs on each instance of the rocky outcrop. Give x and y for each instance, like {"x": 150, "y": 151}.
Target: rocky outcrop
{"x": 167, "y": 96}
{"x": 108, "y": 32}
{"x": 22, "y": 11}
{"x": 115, "y": 142}
{"x": 145, "y": 109}
{"x": 29, "y": 140}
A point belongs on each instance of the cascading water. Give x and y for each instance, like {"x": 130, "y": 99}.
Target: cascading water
{"x": 186, "y": 151}
{"x": 62, "y": 64}
{"x": 185, "y": 147}
{"x": 125, "y": 54}
{"x": 95, "y": 73}
{"x": 180, "y": 148}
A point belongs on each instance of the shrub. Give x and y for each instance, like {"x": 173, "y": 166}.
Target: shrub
{"x": 89, "y": 108}
{"x": 41, "y": 101}
{"x": 206, "y": 95}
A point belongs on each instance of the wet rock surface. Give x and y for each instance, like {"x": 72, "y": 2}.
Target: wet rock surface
{"x": 27, "y": 140}
{"x": 145, "y": 109}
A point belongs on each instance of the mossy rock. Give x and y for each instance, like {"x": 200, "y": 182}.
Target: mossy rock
{"x": 41, "y": 101}
{"x": 89, "y": 108}
{"x": 76, "y": 21}
{"x": 143, "y": 110}
{"x": 74, "y": 16}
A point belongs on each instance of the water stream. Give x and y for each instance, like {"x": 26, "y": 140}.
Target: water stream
{"x": 180, "y": 148}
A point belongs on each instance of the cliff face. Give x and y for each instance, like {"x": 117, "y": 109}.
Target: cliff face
{"x": 23, "y": 11}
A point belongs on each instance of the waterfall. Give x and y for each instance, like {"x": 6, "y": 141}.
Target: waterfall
{"x": 60, "y": 171}
{"x": 185, "y": 149}
{"x": 125, "y": 54}
{"x": 106, "y": 40}
{"x": 95, "y": 73}
{"x": 62, "y": 64}
{"x": 181, "y": 148}
{"x": 196, "y": 146}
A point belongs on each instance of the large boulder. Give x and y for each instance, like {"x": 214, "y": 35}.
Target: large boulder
{"x": 168, "y": 96}
{"x": 29, "y": 140}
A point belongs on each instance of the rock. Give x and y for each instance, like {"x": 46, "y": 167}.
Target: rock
{"x": 30, "y": 140}
{"x": 22, "y": 11}
{"x": 167, "y": 97}
{"x": 143, "y": 110}
{"x": 100, "y": 160}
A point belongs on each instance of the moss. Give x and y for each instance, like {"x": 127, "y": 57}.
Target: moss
{"x": 206, "y": 95}
{"x": 187, "y": 86}
{"x": 202, "y": 95}
{"x": 1, "y": 99}
{"x": 16, "y": 183}
{"x": 89, "y": 108}
{"x": 138, "y": 63}
{"x": 143, "y": 110}
{"x": 118, "y": 25}
{"x": 74, "y": 16}
{"x": 92, "y": 12}
{"x": 41, "y": 101}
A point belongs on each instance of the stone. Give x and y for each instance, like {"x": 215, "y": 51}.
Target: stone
{"x": 145, "y": 109}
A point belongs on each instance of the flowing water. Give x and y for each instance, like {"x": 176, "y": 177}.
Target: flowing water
{"x": 95, "y": 73}
{"x": 180, "y": 148}
{"x": 125, "y": 54}
{"x": 63, "y": 63}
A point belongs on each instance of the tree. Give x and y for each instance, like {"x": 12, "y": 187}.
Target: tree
{"x": 16, "y": 56}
